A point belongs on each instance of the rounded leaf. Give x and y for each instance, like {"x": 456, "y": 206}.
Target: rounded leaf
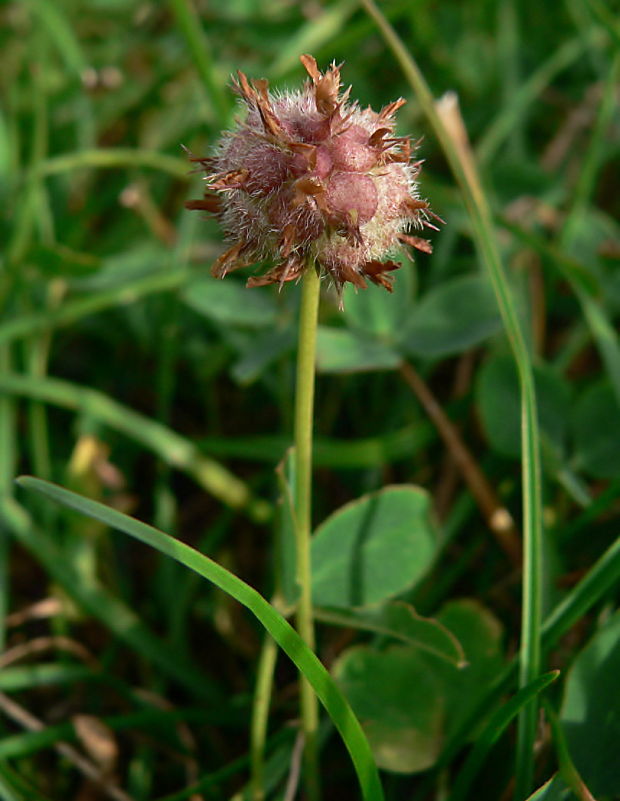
{"x": 342, "y": 351}
{"x": 452, "y": 318}
{"x": 373, "y": 548}
{"x": 591, "y": 711}
{"x": 596, "y": 431}
{"x": 498, "y": 399}
{"x": 230, "y": 303}
{"x": 398, "y": 701}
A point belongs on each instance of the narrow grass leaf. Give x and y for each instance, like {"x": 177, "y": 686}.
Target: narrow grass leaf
{"x": 492, "y": 731}
{"x": 172, "y": 448}
{"x": 122, "y": 157}
{"x": 14, "y": 787}
{"x": 74, "y": 310}
{"x": 448, "y": 125}
{"x": 309, "y": 38}
{"x": 286, "y": 637}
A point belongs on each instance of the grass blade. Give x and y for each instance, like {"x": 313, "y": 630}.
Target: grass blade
{"x": 286, "y": 637}
{"x": 74, "y": 310}
{"x": 493, "y": 730}
{"x": 448, "y": 126}
{"x": 171, "y": 447}
{"x": 113, "y": 159}
{"x": 191, "y": 27}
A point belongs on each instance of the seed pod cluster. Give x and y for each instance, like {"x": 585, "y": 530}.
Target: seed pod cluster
{"x": 308, "y": 178}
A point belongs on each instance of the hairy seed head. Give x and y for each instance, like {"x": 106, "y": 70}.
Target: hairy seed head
{"x": 308, "y": 177}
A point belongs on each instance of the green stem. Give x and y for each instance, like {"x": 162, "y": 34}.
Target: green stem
{"x": 304, "y": 406}
{"x": 260, "y": 714}
{"x": 448, "y": 127}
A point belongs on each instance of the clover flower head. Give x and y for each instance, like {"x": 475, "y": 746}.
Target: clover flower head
{"x": 311, "y": 178}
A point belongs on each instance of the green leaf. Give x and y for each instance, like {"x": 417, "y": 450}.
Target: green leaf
{"x": 343, "y": 351}
{"x": 590, "y": 713}
{"x": 373, "y": 548}
{"x": 230, "y": 303}
{"x": 143, "y": 259}
{"x": 378, "y": 312}
{"x": 286, "y": 637}
{"x": 596, "y": 431}
{"x": 399, "y": 701}
{"x": 260, "y": 353}
{"x": 553, "y": 790}
{"x": 451, "y": 318}
{"x": 14, "y": 787}
{"x": 497, "y": 394}
{"x": 479, "y": 633}
{"x": 399, "y": 620}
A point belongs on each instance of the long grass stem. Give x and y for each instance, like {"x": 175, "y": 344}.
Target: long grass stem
{"x": 304, "y": 414}
{"x": 260, "y": 712}
{"x": 445, "y": 118}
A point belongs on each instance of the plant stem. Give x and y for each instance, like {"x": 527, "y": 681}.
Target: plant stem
{"x": 304, "y": 406}
{"x": 260, "y": 713}
{"x": 447, "y": 123}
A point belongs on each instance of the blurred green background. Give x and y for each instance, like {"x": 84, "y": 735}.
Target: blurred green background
{"x": 130, "y": 375}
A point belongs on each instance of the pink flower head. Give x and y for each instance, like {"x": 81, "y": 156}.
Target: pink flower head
{"x": 307, "y": 178}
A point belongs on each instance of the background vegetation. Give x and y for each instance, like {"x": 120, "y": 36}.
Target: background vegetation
{"x": 130, "y": 376}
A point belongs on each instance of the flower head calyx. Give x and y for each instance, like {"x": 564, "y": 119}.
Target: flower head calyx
{"x": 308, "y": 177}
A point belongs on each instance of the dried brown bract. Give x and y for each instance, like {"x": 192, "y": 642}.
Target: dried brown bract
{"x": 308, "y": 178}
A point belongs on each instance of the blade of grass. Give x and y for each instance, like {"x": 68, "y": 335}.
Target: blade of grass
{"x": 607, "y": 19}
{"x": 287, "y": 638}
{"x": 25, "y": 743}
{"x": 592, "y": 158}
{"x": 587, "y": 290}
{"x": 14, "y": 788}
{"x": 260, "y": 714}
{"x": 449, "y": 129}
{"x": 74, "y": 310}
{"x": 13, "y": 679}
{"x": 309, "y": 38}
{"x": 492, "y": 731}
{"x": 171, "y": 447}
{"x": 514, "y": 110}
{"x": 603, "y": 332}
{"x": 200, "y": 49}
{"x": 60, "y": 31}
{"x": 330, "y": 451}
{"x": 113, "y": 159}
{"x": 277, "y": 766}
